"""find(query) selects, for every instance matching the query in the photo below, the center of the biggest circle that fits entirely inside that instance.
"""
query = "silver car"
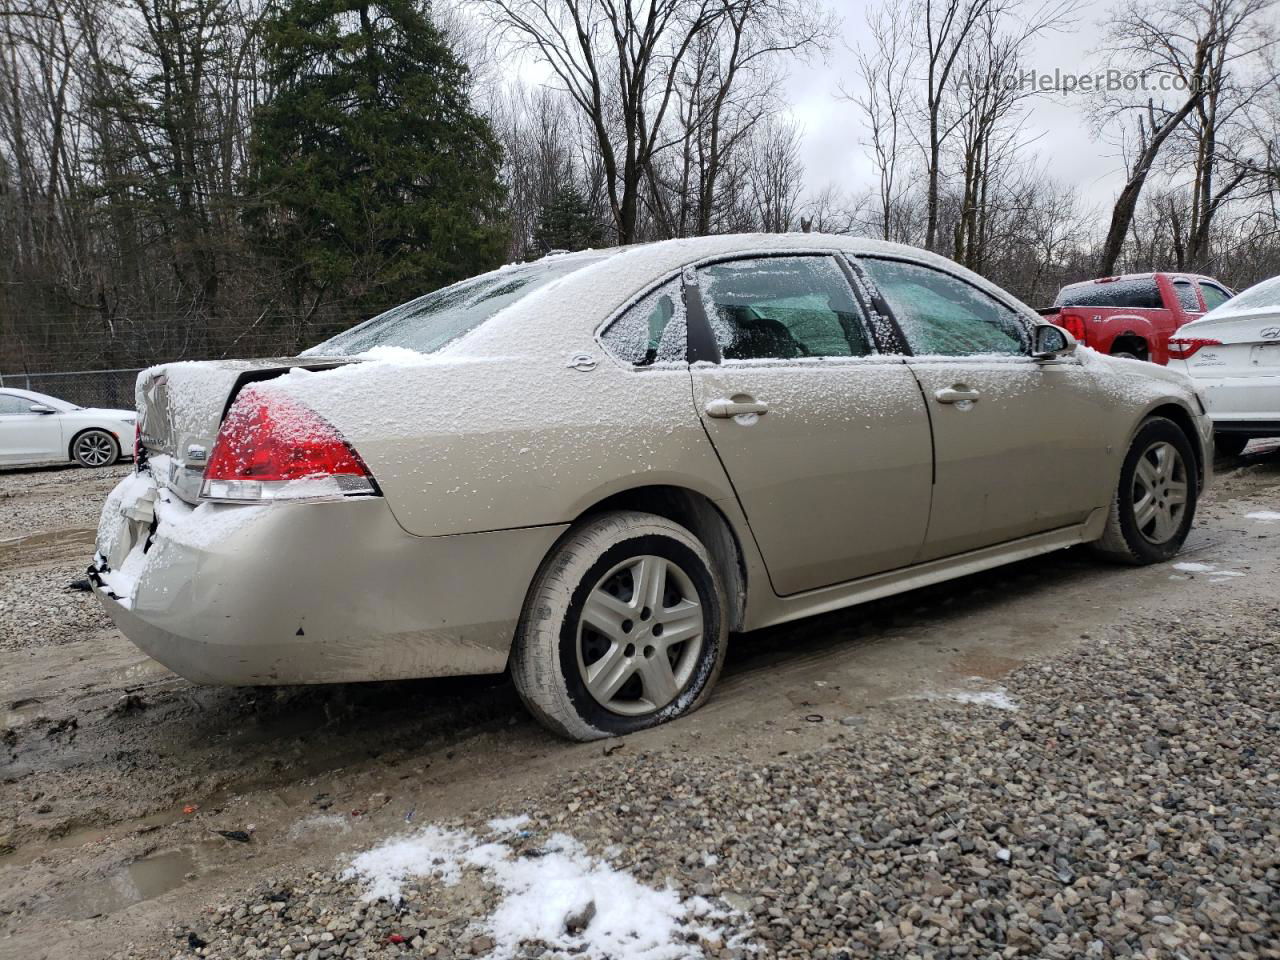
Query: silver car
(592, 469)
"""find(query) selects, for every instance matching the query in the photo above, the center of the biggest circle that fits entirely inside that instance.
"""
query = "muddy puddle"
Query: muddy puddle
(141, 880)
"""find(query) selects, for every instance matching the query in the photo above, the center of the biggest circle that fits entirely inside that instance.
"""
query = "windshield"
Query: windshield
(48, 401)
(1264, 294)
(430, 322)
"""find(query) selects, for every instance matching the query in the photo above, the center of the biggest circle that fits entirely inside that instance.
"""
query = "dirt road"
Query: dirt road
(119, 776)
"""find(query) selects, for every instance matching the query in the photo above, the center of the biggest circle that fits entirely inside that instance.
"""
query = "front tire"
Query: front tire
(624, 628)
(95, 448)
(1155, 503)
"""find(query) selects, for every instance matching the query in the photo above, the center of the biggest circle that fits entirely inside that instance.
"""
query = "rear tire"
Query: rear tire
(95, 448)
(624, 628)
(1155, 502)
(1229, 444)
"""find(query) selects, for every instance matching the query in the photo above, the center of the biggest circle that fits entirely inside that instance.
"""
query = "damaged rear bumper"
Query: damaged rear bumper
(318, 592)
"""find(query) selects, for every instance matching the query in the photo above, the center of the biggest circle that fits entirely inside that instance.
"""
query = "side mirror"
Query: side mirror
(1051, 342)
(41, 408)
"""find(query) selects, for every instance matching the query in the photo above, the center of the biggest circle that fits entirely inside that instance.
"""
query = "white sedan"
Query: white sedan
(1233, 354)
(39, 429)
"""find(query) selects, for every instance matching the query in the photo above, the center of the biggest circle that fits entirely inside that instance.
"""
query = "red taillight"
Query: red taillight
(273, 448)
(1180, 348)
(1074, 325)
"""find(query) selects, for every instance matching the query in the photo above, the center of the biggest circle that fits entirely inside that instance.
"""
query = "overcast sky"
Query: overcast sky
(1057, 126)
(833, 150)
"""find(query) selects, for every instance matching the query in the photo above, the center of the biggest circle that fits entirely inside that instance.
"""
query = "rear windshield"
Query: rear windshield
(437, 319)
(1139, 293)
(1264, 294)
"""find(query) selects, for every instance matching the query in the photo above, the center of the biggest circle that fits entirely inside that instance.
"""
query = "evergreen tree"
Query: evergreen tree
(565, 222)
(375, 178)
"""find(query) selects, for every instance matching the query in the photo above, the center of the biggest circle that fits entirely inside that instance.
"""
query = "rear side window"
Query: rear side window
(942, 315)
(782, 308)
(1214, 296)
(1139, 293)
(1187, 298)
(651, 330)
(437, 319)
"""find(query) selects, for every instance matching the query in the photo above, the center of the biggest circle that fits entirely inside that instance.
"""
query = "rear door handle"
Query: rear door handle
(724, 409)
(957, 394)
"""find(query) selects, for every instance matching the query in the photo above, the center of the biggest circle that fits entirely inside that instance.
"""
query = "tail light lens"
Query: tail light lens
(1074, 325)
(1180, 348)
(274, 448)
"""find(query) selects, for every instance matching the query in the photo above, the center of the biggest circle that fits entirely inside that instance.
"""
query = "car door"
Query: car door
(27, 437)
(1016, 440)
(825, 440)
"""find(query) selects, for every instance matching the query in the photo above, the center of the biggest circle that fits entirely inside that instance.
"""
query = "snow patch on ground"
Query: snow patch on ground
(1193, 567)
(624, 919)
(1215, 575)
(508, 824)
(1266, 516)
(999, 699)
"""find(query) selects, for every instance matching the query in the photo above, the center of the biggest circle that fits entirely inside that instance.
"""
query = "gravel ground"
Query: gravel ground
(36, 607)
(46, 523)
(1126, 807)
(54, 498)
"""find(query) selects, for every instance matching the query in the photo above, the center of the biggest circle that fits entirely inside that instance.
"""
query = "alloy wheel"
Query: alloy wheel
(640, 636)
(95, 449)
(1160, 492)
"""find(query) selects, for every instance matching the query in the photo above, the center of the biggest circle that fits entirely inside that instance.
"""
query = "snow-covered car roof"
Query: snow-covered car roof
(561, 313)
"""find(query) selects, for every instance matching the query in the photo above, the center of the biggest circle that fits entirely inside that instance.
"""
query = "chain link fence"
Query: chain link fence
(88, 388)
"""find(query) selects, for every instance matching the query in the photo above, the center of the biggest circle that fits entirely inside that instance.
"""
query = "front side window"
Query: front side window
(943, 315)
(1187, 298)
(651, 330)
(1214, 296)
(782, 308)
(437, 319)
(10, 404)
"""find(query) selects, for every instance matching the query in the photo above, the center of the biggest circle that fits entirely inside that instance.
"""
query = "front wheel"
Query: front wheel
(624, 628)
(1155, 503)
(95, 448)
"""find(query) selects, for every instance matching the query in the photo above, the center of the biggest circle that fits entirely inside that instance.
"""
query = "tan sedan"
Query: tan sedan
(593, 468)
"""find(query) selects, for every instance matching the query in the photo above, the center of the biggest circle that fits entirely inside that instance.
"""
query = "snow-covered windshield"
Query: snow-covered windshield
(437, 319)
(1264, 294)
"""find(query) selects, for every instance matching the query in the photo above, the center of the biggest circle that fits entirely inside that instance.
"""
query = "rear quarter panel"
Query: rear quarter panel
(473, 444)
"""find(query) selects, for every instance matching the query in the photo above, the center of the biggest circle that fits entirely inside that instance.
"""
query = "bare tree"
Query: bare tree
(885, 64)
(1217, 55)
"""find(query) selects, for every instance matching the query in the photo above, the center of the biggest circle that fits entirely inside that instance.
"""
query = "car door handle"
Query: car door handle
(724, 409)
(957, 394)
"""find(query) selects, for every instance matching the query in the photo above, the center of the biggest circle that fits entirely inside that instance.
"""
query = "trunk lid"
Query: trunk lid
(181, 405)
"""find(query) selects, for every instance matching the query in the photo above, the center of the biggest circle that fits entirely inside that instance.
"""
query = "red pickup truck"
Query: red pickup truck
(1134, 315)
